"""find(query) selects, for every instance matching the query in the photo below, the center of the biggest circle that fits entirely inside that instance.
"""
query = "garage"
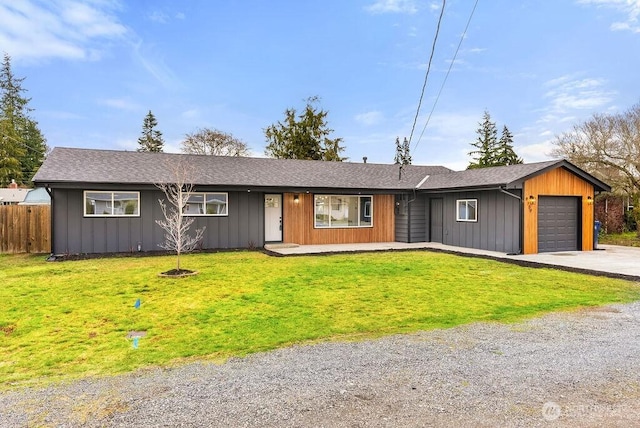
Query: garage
(558, 223)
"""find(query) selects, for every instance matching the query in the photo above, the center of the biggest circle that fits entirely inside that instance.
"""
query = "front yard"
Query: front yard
(60, 321)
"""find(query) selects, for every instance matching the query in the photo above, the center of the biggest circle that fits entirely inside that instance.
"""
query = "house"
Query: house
(107, 201)
(13, 194)
(37, 196)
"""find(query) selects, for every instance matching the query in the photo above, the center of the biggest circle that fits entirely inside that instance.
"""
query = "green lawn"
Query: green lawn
(67, 320)
(628, 239)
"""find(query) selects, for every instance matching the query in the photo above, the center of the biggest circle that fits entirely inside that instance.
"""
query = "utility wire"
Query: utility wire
(447, 75)
(426, 76)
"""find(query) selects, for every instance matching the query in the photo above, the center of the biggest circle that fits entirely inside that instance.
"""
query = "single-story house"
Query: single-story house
(13, 194)
(107, 201)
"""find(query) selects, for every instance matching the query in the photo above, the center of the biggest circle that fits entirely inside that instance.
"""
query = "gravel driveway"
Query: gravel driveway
(564, 369)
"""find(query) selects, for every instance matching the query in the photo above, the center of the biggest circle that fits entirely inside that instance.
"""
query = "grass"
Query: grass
(60, 321)
(628, 239)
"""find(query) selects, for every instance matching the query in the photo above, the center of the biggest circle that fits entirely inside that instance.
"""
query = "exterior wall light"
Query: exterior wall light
(589, 200)
(531, 200)
(296, 198)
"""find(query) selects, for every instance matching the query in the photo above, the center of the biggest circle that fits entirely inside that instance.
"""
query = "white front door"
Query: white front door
(273, 218)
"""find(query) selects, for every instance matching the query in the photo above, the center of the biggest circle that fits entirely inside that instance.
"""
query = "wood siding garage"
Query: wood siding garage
(557, 182)
(558, 223)
(298, 223)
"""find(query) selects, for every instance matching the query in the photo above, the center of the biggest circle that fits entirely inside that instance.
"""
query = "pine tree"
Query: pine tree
(398, 157)
(486, 144)
(505, 155)
(22, 145)
(402, 157)
(151, 139)
(303, 136)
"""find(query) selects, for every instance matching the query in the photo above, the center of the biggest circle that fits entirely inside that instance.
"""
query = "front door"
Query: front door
(273, 218)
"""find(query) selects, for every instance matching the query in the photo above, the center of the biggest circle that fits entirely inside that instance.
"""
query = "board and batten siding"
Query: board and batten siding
(76, 234)
(497, 228)
(557, 182)
(412, 221)
(298, 223)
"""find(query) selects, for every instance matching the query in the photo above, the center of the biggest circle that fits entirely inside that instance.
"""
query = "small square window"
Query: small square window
(467, 210)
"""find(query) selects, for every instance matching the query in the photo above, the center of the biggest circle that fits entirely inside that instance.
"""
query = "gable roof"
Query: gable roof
(8, 195)
(511, 176)
(72, 165)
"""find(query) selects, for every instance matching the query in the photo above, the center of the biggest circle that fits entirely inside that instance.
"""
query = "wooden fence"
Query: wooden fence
(25, 229)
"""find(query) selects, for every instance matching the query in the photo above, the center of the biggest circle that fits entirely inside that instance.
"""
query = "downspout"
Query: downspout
(51, 228)
(521, 220)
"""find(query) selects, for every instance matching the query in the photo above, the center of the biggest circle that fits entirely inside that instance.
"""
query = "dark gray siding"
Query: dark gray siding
(497, 228)
(418, 224)
(402, 218)
(412, 218)
(73, 233)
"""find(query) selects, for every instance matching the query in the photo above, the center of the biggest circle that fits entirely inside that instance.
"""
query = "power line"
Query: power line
(426, 76)
(447, 75)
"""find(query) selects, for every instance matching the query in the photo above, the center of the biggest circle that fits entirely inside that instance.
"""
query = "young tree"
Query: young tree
(505, 155)
(213, 142)
(403, 156)
(304, 136)
(151, 139)
(485, 145)
(175, 224)
(22, 145)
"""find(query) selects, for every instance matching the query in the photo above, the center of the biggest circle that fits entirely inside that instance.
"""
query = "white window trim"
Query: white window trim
(466, 201)
(112, 192)
(343, 227)
(226, 213)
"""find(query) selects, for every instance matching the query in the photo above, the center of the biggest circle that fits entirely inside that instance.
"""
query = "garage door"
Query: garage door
(557, 223)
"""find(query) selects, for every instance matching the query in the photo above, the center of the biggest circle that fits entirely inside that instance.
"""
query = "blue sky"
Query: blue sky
(94, 68)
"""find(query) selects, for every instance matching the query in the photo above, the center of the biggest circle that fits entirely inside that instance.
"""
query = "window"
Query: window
(467, 210)
(337, 211)
(111, 204)
(211, 204)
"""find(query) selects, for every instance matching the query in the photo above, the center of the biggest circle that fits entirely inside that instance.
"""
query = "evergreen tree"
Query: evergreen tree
(22, 145)
(304, 136)
(505, 155)
(151, 139)
(398, 157)
(403, 156)
(486, 144)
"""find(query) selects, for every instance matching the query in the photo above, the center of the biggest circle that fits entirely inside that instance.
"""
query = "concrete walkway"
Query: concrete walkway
(611, 260)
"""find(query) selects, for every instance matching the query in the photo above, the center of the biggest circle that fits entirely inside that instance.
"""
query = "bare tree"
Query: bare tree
(207, 141)
(607, 146)
(175, 224)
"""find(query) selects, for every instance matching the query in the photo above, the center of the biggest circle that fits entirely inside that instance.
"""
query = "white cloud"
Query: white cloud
(193, 113)
(369, 118)
(158, 16)
(393, 6)
(120, 104)
(69, 29)
(568, 93)
(630, 8)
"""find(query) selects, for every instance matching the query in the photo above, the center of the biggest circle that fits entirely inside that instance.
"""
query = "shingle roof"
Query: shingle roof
(65, 165)
(484, 177)
(13, 195)
(502, 176)
(72, 165)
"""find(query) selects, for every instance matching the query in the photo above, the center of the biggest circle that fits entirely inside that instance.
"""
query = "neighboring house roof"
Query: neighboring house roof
(37, 196)
(65, 165)
(12, 196)
(511, 176)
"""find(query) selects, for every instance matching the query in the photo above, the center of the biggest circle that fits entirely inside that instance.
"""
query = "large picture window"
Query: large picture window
(211, 204)
(98, 203)
(338, 211)
(467, 210)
